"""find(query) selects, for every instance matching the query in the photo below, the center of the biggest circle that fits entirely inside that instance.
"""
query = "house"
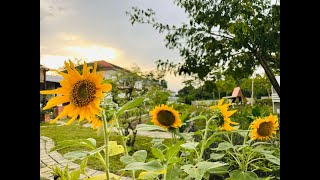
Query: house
(275, 98)
(107, 68)
(237, 96)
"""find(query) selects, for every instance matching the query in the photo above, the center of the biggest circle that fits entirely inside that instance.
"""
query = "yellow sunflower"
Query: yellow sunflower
(165, 116)
(82, 92)
(224, 120)
(264, 128)
(96, 122)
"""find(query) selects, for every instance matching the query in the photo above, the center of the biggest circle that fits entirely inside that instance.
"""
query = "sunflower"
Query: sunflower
(82, 92)
(165, 116)
(264, 128)
(96, 122)
(224, 120)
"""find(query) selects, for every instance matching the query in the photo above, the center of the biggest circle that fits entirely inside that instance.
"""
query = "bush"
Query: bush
(267, 102)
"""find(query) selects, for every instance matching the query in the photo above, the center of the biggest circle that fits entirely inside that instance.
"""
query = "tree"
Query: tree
(238, 35)
(261, 86)
(227, 85)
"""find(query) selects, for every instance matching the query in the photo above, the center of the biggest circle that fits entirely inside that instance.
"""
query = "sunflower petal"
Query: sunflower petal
(55, 91)
(106, 87)
(71, 120)
(220, 102)
(229, 113)
(56, 101)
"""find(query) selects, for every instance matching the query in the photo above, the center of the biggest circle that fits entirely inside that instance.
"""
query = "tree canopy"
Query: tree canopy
(237, 35)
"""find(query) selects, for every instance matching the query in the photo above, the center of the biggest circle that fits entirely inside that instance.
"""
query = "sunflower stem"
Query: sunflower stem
(204, 140)
(123, 142)
(106, 142)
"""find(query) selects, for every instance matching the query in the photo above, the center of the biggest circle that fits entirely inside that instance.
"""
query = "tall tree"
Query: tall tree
(238, 35)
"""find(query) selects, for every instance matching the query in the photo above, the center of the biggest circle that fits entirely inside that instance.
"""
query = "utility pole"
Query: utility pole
(253, 76)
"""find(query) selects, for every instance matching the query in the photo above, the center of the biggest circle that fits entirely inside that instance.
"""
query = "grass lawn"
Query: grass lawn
(75, 131)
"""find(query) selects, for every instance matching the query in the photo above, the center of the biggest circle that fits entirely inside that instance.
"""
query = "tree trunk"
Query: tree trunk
(269, 72)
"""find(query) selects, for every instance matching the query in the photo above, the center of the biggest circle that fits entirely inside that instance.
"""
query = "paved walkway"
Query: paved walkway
(54, 158)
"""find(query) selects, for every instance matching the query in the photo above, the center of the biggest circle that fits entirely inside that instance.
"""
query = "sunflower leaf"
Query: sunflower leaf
(140, 156)
(76, 155)
(173, 151)
(238, 175)
(129, 105)
(272, 159)
(157, 153)
(149, 166)
(197, 118)
(223, 146)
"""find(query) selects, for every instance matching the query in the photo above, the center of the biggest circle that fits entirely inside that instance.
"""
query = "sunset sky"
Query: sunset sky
(100, 30)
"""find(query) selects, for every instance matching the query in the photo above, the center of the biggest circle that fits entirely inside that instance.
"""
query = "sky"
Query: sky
(100, 30)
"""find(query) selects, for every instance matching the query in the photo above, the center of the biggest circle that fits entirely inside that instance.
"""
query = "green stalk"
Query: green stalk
(106, 142)
(204, 140)
(123, 142)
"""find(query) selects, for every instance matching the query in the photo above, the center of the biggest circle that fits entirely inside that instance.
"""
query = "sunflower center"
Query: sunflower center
(166, 118)
(83, 93)
(265, 129)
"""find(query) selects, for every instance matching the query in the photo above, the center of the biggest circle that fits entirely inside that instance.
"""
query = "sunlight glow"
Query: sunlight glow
(93, 52)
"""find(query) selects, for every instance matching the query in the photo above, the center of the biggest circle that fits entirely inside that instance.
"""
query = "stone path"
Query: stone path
(54, 158)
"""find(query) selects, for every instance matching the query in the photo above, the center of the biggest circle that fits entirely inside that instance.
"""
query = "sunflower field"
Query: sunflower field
(215, 142)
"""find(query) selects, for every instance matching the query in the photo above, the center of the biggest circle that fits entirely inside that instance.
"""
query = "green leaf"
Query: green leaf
(76, 155)
(272, 159)
(148, 127)
(127, 159)
(184, 116)
(115, 149)
(197, 118)
(148, 175)
(157, 153)
(216, 156)
(223, 169)
(173, 172)
(190, 169)
(93, 142)
(258, 143)
(173, 151)
(213, 167)
(75, 175)
(149, 166)
(260, 149)
(202, 167)
(223, 146)
(238, 175)
(97, 150)
(190, 145)
(140, 156)
(83, 166)
(129, 105)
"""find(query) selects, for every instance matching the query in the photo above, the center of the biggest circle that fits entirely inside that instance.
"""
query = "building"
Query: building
(275, 98)
(237, 96)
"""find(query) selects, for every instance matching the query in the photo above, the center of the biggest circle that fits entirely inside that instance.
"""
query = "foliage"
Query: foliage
(227, 85)
(64, 174)
(261, 86)
(247, 113)
(136, 83)
(248, 159)
(239, 34)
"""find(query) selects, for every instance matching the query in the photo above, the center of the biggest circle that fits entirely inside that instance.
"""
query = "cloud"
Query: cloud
(50, 9)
